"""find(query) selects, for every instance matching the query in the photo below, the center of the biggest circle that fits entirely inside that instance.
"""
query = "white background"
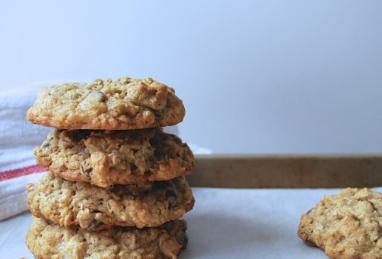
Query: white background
(256, 76)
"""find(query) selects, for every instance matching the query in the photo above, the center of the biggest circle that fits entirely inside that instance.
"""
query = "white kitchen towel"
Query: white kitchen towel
(18, 138)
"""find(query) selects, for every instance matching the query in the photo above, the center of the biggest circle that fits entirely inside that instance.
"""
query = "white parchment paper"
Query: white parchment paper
(225, 223)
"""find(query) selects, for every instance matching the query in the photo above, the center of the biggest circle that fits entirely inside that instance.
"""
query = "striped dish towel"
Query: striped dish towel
(17, 140)
(12, 189)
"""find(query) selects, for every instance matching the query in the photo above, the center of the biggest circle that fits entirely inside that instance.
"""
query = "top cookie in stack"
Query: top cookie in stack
(111, 168)
(121, 104)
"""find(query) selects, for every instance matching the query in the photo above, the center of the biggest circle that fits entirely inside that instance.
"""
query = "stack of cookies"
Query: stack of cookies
(116, 185)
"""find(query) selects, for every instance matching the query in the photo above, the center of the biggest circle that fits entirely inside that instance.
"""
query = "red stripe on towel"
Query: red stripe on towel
(10, 174)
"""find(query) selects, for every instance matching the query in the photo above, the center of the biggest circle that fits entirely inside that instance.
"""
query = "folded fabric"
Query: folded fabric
(18, 138)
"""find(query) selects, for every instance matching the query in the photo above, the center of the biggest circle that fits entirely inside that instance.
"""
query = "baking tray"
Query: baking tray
(287, 171)
(259, 222)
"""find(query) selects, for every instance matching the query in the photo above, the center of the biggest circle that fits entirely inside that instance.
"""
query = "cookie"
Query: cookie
(346, 225)
(120, 104)
(83, 205)
(104, 158)
(47, 241)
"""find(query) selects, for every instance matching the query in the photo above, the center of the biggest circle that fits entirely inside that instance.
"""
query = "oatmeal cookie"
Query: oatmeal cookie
(120, 104)
(82, 205)
(104, 158)
(47, 241)
(346, 225)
